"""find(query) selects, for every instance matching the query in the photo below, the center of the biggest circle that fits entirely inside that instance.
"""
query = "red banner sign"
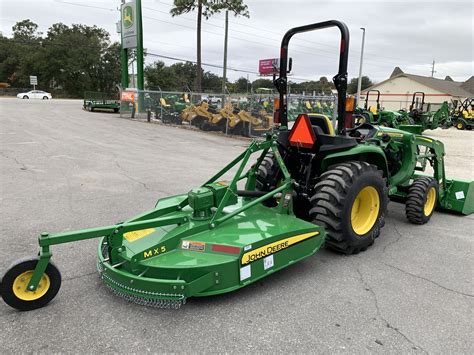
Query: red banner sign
(128, 96)
(269, 66)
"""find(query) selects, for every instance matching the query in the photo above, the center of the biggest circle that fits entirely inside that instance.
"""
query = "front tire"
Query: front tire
(421, 200)
(350, 202)
(25, 97)
(460, 125)
(45, 97)
(14, 282)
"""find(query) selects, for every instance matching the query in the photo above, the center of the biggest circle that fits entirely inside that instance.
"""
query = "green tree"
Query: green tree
(211, 82)
(263, 83)
(352, 86)
(25, 30)
(206, 8)
(241, 85)
(159, 76)
(80, 58)
(186, 74)
(16, 54)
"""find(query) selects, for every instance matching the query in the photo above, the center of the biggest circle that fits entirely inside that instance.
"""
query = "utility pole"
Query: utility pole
(140, 79)
(134, 85)
(432, 68)
(359, 82)
(123, 60)
(224, 74)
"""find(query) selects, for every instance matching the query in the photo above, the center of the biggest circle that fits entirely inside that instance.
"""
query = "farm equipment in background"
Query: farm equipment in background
(252, 124)
(177, 106)
(201, 116)
(235, 123)
(307, 186)
(166, 108)
(463, 115)
(95, 100)
(367, 114)
(379, 116)
(426, 118)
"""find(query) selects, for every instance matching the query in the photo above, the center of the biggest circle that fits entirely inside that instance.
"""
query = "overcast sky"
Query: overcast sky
(405, 33)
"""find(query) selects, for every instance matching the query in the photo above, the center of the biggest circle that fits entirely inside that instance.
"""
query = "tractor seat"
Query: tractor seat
(323, 122)
(163, 102)
(331, 143)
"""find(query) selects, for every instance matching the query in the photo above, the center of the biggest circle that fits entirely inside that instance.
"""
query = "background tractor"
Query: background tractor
(368, 114)
(379, 116)
(421, 114)
(463, 115)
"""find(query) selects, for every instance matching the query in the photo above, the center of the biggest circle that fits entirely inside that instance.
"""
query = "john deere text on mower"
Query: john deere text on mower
(307, 185)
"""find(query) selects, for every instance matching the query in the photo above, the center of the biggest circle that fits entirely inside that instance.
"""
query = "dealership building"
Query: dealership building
(396, 92)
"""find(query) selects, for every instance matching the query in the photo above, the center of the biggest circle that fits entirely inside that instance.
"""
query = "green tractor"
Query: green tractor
(368, 114)
(307, 187)
(379, 116)
(169, 108)
(422, 116)
(463, 115)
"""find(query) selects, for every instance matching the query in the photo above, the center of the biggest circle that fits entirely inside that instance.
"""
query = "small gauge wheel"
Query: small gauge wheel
(13, 286)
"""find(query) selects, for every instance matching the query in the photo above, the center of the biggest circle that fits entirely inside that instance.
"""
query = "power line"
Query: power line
(84, 5)
(218, 34)
(332, 47)
(257, 42)
(204, 64)
(233, 37)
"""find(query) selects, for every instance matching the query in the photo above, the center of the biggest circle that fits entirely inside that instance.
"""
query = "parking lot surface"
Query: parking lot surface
(62, 168)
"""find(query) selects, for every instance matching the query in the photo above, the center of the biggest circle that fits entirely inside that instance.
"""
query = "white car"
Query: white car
(35, 94)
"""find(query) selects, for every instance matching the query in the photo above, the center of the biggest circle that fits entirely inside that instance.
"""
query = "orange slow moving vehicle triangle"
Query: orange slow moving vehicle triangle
(302, 134)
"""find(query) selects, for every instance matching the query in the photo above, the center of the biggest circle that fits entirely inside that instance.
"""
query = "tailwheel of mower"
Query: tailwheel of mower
(421, 200)
(350, 202)
(14, 284)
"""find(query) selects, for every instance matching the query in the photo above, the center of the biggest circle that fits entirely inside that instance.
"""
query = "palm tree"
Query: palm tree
(206, 8)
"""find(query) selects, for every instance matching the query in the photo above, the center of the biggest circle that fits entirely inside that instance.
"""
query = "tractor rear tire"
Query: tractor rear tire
(350, 202)
(421, 200)
(14, 282)
(268, 175)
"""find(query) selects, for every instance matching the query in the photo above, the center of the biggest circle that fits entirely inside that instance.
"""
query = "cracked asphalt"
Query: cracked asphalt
(62, 168)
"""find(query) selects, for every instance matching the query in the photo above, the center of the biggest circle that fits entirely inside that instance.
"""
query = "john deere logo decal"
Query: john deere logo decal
(127, 17)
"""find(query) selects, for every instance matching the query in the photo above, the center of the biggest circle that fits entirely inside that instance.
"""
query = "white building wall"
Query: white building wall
(396, 94)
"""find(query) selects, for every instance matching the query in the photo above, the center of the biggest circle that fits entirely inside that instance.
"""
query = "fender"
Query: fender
(369, 153)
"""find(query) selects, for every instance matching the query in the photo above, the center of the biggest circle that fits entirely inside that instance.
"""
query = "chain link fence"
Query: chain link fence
(248, 115)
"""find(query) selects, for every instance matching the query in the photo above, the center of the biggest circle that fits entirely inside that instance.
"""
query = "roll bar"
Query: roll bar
(415, 94)
(366, 105)
(340, 79)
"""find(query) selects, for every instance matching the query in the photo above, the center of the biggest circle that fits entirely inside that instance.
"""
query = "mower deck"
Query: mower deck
(166, 265)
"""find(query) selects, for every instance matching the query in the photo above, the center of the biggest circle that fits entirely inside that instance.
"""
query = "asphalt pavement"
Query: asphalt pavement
(62, 168)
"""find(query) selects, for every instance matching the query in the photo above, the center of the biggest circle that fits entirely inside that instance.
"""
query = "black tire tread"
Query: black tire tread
(24, 264)
(416, 199)
(328, 204)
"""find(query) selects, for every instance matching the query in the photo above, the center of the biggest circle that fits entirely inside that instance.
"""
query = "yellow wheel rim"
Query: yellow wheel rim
(430, 201)
(459, 125)
(365, 210)
(21, 282)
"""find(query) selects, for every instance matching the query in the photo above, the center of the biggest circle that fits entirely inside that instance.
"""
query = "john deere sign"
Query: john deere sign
(129, 25)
